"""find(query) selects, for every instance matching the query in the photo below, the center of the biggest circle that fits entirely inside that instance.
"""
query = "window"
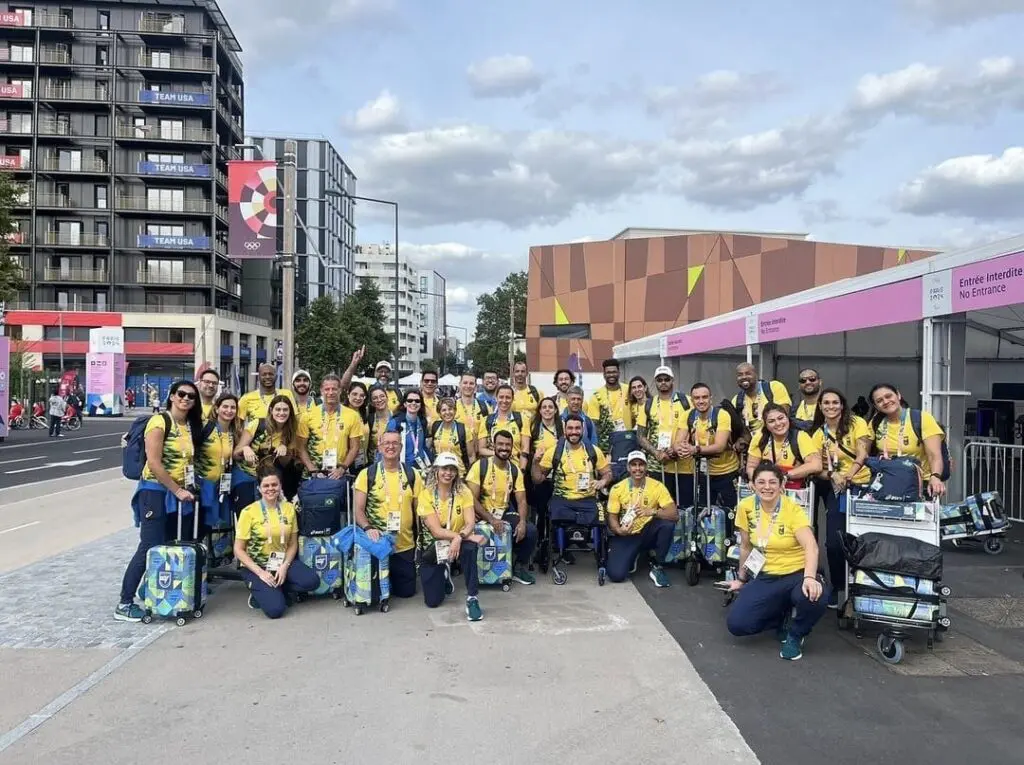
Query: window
(102, 157)
(165, 200)
(63, 194)
(69, 232)
(160, 59)
(165, 159)
(139, 124)
(165, 271)
(21, 123)
(99, 265)
(565, 331)
(21, 53)
(100, 299)
(225, 337)
(69, 159)
(138, 334)
(103, 20)
(26, 87)
(25, 155)
(26, 12)
(172, 130)
(102, 232)
(158, 229)
(102, 55)
(101, 197)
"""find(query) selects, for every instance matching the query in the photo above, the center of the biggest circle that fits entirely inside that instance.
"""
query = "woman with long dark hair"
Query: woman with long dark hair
(410, 421)
(359, 402)
(896, 435)
(788, 447)
(168, 486)
(378, 415)
(545, 433)
(215, 460)
(275, 441)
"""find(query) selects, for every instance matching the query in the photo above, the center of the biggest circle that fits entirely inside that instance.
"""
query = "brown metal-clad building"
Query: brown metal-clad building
(584, 298)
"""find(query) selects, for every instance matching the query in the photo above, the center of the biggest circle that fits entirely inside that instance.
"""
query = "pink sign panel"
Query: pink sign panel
(11, 90)
(10, 162)
(728, 334)
(990, 284)
(12, 19)
(876, 307)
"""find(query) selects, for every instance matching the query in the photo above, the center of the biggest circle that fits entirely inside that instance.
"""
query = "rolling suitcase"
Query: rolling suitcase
(174, 585)
(221, 544)
(367, 581)
(494, 557)
(325, 560)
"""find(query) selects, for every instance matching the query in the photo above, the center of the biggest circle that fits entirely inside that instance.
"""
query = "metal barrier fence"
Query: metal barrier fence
(987, 466)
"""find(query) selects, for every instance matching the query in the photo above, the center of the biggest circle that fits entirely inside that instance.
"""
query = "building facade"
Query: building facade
(325, 235)
(584, 298)
(377, 262)
(433, 309)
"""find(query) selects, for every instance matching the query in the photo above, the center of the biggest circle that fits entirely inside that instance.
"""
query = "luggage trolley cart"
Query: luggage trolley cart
(979, 519)
(899, 604)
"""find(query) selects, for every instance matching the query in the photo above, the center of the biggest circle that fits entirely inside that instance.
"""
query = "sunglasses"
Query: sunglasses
(412, 401)
(185, 395)
(807, 379)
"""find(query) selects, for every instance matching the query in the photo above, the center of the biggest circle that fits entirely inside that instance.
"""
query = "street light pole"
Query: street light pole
(291, 148)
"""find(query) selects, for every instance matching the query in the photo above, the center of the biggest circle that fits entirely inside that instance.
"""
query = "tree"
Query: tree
(11, 280)
(362, 323)
(318, 339)
(490, 348)
(428, 365)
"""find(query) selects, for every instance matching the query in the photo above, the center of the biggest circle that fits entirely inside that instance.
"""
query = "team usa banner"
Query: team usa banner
(252, 209)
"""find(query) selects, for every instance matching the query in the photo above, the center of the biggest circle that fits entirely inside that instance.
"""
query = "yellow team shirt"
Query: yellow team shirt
(502, 422)
(430, 407)
(901, 440)
(840, 453)
(806, 412)
(215, 456)
(574, 464)
(376, 426)
(207, 409)
(498, 485)
(562, 400)
(783, 553)
(391, 493)
(524, 402)
(547, 439)
(728, 461)
(340, 430)
(667, 417)
(452, 513)
(782, 454)
(264, 443)
(753, 406)
(253, 405)
(613, 404)
(650, 495)
(262, 527)
(178, 452)
(470, 415)
(303, 410)
(446, 441)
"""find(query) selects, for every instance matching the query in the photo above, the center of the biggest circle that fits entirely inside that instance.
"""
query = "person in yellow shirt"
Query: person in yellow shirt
(525, 397)
(845, 439)
(469, 409)
(641, 516)
(266, 543)
(253, 405)
(639, 398)
(448, 435)
(778, 567)
(803, 411)
(896, 435)
(334, 432)
(428, 387)
(795, 452)
(447, 534)
(382, 372)
(545, 433)
(563, 380)
(504, 418)
(302, 392)
(214, 462)
(658, 422)
(277, 440)
(754, 396)
(385, 494)
(608, 407)
(499, 496)
(357, 400)
(209, 386)
(378, 416)
(706, 434)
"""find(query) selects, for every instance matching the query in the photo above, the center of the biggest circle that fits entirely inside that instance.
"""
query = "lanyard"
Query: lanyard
(188, 450)
(833, 459)
(225, 460)
(325, 419)
(437, 507)
(614, 404)
(469, 411)
(703, 435)
(636, 495)
(586, 462)
(762, 542)
(403, 483)
(493, 492)
(413, 433)
(884, 433)
(280, 520)
(785, 450)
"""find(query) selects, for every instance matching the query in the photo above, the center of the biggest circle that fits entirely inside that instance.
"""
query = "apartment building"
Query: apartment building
(432, 309)
(377, 262)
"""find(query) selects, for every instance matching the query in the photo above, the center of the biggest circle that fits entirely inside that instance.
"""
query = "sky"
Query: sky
(498, 126)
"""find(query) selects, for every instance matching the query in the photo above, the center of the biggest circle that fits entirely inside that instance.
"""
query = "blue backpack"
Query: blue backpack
(133, 446)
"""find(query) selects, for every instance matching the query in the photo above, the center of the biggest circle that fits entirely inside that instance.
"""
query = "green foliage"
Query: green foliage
(318, 339)
(10, 273)
(428, 365)
(489, 350)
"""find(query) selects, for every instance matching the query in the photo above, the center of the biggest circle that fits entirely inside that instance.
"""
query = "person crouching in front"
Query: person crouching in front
(266, 542)
(445, 510)
(778, 566)
(642, 516)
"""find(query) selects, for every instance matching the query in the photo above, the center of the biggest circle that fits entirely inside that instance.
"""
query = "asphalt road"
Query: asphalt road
(30, 456)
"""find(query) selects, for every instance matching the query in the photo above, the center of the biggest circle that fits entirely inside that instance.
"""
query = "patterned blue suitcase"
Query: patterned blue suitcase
(175, 583)
(325, 559)
(494, 557)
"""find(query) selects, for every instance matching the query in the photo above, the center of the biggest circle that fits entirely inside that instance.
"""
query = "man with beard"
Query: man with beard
(810, 391)
(428, 387)
(209, 387)
(641, 516)
(574, 472)
(705, 434)
(304, 400)
(665, 414)
(383, 374)
(335, 431)
(525, 397)
(564, 379)
(609, 406)
(253, 405)
(753, 397)
(493, 481)
(487, 396)
(574, 407)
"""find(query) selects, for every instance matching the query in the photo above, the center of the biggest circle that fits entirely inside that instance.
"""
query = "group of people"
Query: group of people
(426, 470)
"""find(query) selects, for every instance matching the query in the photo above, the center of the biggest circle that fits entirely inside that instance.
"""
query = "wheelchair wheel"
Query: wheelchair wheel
(558, 576)
(693, 572)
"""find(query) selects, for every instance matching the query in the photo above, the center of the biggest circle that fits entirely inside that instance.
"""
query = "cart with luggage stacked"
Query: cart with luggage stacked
(978, 519)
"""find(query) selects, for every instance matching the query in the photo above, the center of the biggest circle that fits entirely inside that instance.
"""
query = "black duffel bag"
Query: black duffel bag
(893, 555)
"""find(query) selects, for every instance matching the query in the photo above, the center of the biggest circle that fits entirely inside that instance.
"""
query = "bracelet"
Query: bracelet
(812, 578)
(935, 475)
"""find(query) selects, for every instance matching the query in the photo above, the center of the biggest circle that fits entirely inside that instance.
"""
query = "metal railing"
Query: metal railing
(152, 133)
(53, 127)
(96, 275)
(44, 19)
(193, 309)
(164, 61)
(73, 306)
(44, 199)
(174, 26)
(85, 165)
(54, 55)
(222, 178)
(987, 466)
(66, 92)
(65, 239)
(186, 279)
(145, 204)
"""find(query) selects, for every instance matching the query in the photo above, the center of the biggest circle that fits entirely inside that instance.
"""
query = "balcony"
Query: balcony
(165, 61)
(5, 57)
(15, 91)
(16, 238)
(55, 127)
(52, 20)
(10, 128)
(146, 205)
(172, 242)
(67, 92)
(73, 306)
(186, 279)
(174, 26)
(173, 169)
(54, 55)
(172, 98)
(70, 239)
(91, 275)
(14, 162)
(87, 165)
(152, 133)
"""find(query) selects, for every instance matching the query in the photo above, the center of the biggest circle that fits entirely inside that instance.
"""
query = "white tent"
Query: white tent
(413, 379)
(448, 380)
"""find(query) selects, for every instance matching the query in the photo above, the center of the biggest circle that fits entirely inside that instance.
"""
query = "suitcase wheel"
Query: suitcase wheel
(601, 575)
(993, 545)
(198, 613)
(359, 610)
(300, 597)
(692, 572)
(385, 607)
(180, 621)
(506, 587)
(336, 594)
(147, 618)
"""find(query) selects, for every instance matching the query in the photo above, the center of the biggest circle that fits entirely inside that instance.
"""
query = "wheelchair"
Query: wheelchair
(585, 532)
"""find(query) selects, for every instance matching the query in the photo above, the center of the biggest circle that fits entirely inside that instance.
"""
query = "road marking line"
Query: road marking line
(4, 505)
(78, 690)
(101, 449)
(24, 459)
(51, 441)
(22, 526)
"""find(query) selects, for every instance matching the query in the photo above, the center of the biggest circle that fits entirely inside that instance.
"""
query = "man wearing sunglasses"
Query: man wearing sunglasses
(802, 413)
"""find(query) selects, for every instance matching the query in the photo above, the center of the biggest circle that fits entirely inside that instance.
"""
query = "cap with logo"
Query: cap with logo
(445, 459)
(636, 455)
(663, 371)
(385, 364)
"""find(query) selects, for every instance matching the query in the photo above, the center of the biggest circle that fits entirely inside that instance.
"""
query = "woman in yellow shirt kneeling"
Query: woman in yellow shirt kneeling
(778, 571)
(266, 542)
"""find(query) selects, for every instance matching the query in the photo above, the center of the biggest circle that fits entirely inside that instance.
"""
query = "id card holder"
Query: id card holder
(330, 459)
(628, 517)
(394, 521)
(620, 424)
(755, 562)
(442, 548)
(190, 476)
(664, 441)
(583, 482)
(225, 484)
(704, 465)
(275, 561)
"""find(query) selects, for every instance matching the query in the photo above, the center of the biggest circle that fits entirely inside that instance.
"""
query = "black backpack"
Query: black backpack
(712, 421)
(460, 432)
(804, 425)
(556, 459)
(793, 437)
(492, 418)
(915, 423)
(371, 475)
(762, 387)
(649, 403)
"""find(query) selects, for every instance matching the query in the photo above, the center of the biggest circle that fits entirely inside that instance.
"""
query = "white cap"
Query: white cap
(446, 459)
(301, 373)
(636, 455)
(667, 371)
(385, 364)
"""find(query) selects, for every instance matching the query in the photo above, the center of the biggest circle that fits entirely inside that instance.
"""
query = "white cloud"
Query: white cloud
(982, 187)
(381, 115)
(457, 298)
(462, 264)
(504, 77)
(956, 12)
(713, 90)
(961, 238)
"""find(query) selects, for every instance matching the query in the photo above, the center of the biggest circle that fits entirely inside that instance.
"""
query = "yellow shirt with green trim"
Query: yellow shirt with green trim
(339, 430)
(651, 495)
(498, 486)
(452, 513)
(178, 449)
(304, 409)
(391, 492)
(502, 422)
(253, 405)
(887, 437)
(609, 409)
(720, 464)
(547, 439)
(264, 443)
(215, 456)
(668, 416)
(782, 454)
(575, 462)
(753, 406)
(430, 407)
(446, 441)
(524, 402)
(470, 416)
(839, 451)
(783, 553)
(562, 400)
(262, 534)
(207, 409)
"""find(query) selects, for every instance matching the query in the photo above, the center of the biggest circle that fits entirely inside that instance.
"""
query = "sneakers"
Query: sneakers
(449, 585)
(523, 576)
(792, 648)
(632, 569)
(128, 612)
(659, 577)
(473, 611)
(252, 602)
(833, 600)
